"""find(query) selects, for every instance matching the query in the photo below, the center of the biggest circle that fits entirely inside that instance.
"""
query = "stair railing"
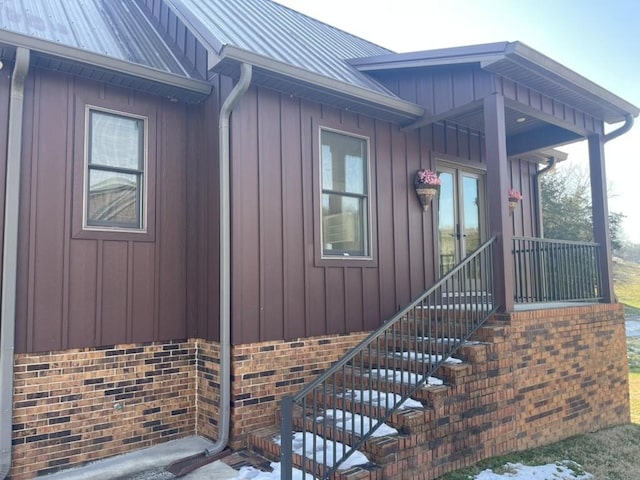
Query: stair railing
(376, 377)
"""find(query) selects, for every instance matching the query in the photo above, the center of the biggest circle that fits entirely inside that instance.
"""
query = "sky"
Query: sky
(598, 39)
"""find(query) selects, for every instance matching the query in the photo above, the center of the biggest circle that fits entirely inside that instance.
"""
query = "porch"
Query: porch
(484, 378)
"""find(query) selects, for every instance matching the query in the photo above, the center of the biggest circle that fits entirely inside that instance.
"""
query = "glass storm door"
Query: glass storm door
(460, 215)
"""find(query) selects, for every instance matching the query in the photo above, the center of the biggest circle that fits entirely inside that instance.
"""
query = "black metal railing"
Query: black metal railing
(374, 379)
(556, 270)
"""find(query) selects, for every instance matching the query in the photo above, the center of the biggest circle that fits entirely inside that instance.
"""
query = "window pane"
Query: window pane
(344, 163)
(113, 199)
(344, 225)
(116, 141)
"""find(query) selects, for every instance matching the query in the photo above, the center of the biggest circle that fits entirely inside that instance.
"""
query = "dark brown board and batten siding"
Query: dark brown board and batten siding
(75, 291)
(279, 290)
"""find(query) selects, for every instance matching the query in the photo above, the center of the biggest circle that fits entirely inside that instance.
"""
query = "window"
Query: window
(345, 195)
(115, 171)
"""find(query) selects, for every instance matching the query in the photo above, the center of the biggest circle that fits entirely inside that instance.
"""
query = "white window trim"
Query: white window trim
(369, 212)
(144, 197)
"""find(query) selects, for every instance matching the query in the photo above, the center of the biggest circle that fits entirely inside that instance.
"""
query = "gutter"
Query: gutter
(552, 163)
(628, 123)
(317, 82)
(10, 256)
(103, 61)
(225, 257)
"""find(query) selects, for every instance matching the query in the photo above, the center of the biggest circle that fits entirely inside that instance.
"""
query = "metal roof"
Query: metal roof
(520, 63)
(277, 32)
(115, 29)
(110, 41)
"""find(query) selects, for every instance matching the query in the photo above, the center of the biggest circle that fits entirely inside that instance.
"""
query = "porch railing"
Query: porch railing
(432, 327)
(556, 270)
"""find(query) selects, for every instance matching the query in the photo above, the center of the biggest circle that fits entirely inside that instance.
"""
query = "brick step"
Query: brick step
(350, 377)
(405, 420)
(415, 362)
(472, 352)
(263, 442)
(404, 342)
(377, 448)
(490, 333)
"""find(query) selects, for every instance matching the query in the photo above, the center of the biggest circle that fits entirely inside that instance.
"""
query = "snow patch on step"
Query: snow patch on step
(355, 423)
(303, 444)
(408, 378)
(417, 356)
(380, 399)
(449, 340)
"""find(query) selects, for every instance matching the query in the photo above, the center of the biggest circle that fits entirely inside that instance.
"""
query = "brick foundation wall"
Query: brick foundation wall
(544, 375)
(265, 372)
(208, 388)
(570, 372)
(80, 405)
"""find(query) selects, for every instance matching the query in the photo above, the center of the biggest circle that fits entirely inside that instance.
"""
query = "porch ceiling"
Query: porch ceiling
(525, 131)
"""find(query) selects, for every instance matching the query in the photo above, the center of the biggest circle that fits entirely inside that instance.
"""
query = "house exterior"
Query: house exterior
(207, 204)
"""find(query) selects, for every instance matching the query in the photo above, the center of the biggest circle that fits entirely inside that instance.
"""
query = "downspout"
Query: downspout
(225, 257)
(10, 256)
(628, 123)
(550, 165)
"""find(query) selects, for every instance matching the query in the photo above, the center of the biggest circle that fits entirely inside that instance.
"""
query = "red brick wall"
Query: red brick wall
(265, 372)
(570, 372)
(80, 405)
(543, 376)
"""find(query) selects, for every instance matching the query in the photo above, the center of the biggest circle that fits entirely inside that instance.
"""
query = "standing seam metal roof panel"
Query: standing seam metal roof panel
(115, 28)
(278, 32)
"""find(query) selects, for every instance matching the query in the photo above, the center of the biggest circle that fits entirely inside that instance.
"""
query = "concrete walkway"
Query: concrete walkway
(149, 463)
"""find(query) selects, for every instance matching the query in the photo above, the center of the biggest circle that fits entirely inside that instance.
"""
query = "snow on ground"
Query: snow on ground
(353, 422)
(401, 377)
(247, 473)
(517, 471)
(380, 399)
(323, 447)
(552, 471)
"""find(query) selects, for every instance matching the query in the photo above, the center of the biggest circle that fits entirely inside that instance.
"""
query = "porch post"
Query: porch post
(498, 208)
(600, 211)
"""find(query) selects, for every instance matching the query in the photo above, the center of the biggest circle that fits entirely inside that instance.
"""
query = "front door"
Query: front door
(460, 215)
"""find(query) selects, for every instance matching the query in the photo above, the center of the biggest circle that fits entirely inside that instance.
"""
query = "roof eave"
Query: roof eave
(492, 57)
(403, 109)
(104, 62)
(474, 54)
(526, 57)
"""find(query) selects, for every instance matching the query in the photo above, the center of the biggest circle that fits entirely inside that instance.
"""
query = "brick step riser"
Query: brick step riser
(432, 395)
(405, 421)
(377, 449)
(264, 446)
(406, 343)
(451, 373)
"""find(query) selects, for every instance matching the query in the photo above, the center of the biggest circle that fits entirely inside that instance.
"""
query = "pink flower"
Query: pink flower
(514, 195)
(428, 177)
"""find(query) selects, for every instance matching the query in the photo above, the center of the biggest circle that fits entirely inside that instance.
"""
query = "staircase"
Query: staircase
(410, 401)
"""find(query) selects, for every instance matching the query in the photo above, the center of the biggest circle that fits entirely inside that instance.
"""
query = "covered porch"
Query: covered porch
(522, 104)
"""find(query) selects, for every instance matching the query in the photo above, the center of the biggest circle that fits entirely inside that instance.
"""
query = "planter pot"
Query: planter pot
(426, 194)
(513, 203)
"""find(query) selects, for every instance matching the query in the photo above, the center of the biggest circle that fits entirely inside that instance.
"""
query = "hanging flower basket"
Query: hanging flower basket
(514, 198)
(426, 184)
